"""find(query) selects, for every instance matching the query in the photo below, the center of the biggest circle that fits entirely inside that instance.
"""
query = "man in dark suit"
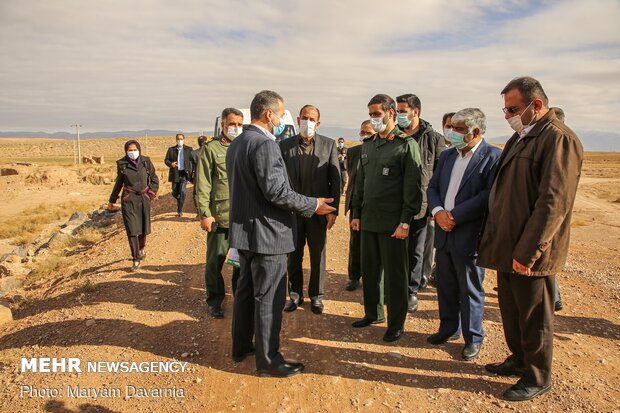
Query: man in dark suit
(355, 254)
(312, 165)
(458, 194)
(262, 207)
(179, 160)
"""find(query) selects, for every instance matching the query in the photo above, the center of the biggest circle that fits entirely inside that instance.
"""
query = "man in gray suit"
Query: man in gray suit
(262, 207)
(313, 169)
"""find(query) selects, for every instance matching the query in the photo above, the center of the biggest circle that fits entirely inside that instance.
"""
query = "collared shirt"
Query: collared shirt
(306, 163)
(525, 131)
(181, 159)
(458, 171)
(266, 132)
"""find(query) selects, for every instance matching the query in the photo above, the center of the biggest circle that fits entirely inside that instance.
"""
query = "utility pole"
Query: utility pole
(77, 127)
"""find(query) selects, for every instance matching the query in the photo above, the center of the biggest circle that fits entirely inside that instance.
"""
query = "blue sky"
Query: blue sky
(174, 65)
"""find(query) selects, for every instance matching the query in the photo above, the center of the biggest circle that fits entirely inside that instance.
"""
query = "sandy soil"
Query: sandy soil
(98, 311)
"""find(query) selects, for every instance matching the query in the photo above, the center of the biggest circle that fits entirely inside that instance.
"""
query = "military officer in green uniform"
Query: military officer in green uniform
(386, 197)
(214, 206)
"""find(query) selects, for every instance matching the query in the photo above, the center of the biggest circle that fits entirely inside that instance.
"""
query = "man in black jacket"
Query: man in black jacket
(431, 145)
(312, 165)
(179, 160)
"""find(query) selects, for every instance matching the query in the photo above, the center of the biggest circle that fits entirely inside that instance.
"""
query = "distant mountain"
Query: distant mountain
(94, 135)
(593, 141)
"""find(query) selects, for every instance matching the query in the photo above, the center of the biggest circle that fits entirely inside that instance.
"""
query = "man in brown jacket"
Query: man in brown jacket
(527, 231)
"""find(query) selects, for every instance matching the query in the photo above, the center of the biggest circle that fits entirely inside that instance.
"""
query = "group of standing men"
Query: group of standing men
(505, 210)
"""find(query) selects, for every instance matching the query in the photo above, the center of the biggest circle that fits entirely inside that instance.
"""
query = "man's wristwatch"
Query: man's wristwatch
(404, 225)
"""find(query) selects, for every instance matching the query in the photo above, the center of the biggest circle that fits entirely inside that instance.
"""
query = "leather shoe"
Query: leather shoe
(241, 357)
(215, 311)
(558, 305)
(423, 282)
(365, 322)
(292, 305)
(522, 391)
(509, 367)
(317, 306)
(352, 285)
(392, 335)
(440, 338)
(471, 351)
(283, 370)
(412, 303)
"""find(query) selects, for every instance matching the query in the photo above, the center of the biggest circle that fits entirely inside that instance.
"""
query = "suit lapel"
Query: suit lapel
(477, 159)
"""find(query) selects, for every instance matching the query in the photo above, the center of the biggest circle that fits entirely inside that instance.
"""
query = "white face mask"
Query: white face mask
(133, 155)
(233, 132)
(180, 142)
(516, 123)
(378, 125)
(307, 128)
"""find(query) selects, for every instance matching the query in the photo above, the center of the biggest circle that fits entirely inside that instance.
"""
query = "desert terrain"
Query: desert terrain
(88, 305)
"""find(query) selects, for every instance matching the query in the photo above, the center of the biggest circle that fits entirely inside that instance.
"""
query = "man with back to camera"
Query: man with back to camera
(261, 229)
(457, 197)
(352, 163)
(179, 160)
(431, 145)
(214, 208)
(526, 234)
(312, 165)
(387, 196)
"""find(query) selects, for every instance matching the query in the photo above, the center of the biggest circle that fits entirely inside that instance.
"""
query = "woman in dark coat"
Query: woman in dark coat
(138, 180)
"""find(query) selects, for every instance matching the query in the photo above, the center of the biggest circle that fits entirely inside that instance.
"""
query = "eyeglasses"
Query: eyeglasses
(513, 109)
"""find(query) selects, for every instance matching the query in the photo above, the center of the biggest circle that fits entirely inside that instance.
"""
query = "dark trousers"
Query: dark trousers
(526, 305)
(384, 259)
(217, 248)
(136, 244)
(179, 190)
(343, 179)
(460, 294)
(257, 310)
(314, 231)
(355, 254)
(417, 239)
(429, 249)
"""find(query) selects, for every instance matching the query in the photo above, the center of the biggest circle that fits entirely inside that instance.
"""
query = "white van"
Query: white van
(290, 130)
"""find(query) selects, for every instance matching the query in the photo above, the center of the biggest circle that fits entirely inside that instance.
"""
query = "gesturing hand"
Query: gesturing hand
(324, 207)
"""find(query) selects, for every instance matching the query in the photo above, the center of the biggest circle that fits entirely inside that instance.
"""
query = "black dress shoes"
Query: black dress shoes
(509, 367)
(317, 306)
(558, 306)
(365, 322)
(412, 303)
(292, 305)
(423, 282)
(352, 285)
(283, 370)
(440, 338)
(239, 358)
(471, 351)
(522, 391)
(391, 336)
(215, 311)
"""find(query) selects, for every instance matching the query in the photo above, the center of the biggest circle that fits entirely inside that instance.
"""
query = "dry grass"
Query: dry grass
(26, 227)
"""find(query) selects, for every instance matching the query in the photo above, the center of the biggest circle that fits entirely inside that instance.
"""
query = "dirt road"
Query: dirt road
(98, 311)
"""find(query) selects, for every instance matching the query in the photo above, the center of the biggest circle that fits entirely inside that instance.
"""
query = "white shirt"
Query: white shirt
(525, 131)
(458, 171)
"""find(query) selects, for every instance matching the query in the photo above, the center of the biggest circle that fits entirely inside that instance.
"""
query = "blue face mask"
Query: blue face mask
(403, 120)
(457, 139)
(277, 130)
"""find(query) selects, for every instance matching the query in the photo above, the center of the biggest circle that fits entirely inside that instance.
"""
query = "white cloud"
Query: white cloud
(154, 64)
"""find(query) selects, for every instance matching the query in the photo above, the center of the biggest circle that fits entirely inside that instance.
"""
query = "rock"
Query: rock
(185, 355)
(8, 171)
(10, 283)
(90, 323)
(395, 354)
(5, 312)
